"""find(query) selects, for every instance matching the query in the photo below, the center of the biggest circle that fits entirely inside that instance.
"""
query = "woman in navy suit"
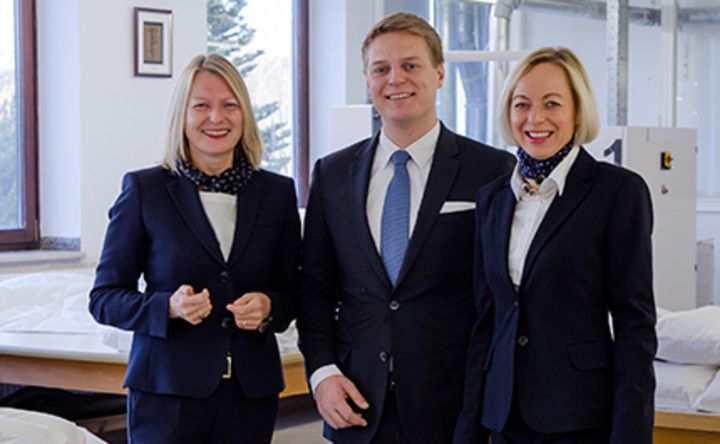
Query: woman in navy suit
(216, 241)
(562, 242)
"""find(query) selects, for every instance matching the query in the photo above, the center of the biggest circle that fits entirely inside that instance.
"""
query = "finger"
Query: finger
(350, 417)
(334, 418)
(186, 289)
(204, 294)
(355, 394)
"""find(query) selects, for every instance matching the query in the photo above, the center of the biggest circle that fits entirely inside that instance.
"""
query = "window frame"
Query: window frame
(28, 236)
(301, 104)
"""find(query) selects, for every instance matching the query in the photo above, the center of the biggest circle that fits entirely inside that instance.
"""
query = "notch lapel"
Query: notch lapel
(576, 187)
(359, 174)
(187, 201)
(248, 202)
(499, 232)
(442, 175)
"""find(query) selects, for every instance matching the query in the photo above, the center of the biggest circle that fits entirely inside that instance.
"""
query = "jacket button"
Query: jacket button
(522, 340)
(224, 276)
(226, 323)
(394, 305)
(383, 356)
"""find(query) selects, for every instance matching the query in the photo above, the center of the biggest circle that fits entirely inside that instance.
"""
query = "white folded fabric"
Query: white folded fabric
(690, 336)
(679, 386)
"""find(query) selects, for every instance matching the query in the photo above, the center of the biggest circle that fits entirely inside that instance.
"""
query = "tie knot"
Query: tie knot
(400, 157)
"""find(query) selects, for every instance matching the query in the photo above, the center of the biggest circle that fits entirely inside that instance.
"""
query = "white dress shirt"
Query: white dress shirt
(530, 210)
(421, 153)
(221, 211)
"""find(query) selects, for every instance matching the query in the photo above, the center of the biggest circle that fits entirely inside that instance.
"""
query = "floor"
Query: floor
(298, 422)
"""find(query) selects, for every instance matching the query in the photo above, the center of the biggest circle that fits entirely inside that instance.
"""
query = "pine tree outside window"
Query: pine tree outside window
(257, 36)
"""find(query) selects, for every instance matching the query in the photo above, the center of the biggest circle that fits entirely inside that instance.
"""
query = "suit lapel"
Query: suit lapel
(576, 187)
(187, 201)
(359, 174)
(442, 175)
(248, 201)
(504, 207)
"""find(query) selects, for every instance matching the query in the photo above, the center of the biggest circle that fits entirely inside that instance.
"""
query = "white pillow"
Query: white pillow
(709, 400)
(26, 427)
(679, 386)
(690, 337)
(660, 312)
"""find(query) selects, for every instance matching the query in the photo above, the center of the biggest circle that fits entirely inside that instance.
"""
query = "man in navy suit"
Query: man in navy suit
(385, 344)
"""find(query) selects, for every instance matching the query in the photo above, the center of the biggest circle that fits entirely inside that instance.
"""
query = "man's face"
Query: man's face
(402, 80)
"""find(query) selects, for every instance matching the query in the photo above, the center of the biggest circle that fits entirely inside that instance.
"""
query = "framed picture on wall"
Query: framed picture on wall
(153, 42)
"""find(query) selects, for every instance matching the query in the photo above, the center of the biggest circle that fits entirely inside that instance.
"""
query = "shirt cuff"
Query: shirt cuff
(323, 373)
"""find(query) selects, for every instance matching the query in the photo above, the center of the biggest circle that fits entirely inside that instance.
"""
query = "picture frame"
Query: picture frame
(153, 42)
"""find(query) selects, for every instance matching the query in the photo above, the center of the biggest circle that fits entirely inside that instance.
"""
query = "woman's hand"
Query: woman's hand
(250, 310)
(188, 305)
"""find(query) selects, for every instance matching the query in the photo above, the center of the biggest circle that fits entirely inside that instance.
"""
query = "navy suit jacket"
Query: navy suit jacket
(549, 342)
(158, 229)
(351, 315)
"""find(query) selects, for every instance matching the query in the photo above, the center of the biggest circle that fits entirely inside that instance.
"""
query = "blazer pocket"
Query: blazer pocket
(593, 355)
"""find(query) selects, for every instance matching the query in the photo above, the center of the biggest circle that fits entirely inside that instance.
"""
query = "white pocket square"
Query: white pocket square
(451, 206)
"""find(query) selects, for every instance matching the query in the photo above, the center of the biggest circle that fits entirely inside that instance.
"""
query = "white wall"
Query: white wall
(96, 120)
(337, 30)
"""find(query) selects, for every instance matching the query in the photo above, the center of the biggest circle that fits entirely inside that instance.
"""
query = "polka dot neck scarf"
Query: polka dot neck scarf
(537, 170)
(230, 181)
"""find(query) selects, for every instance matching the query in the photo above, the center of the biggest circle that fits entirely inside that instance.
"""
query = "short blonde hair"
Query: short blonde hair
(410, 24)
(177, 146)
(587, 121)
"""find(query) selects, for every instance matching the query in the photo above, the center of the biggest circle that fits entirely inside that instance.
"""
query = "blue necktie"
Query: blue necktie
(394, 230)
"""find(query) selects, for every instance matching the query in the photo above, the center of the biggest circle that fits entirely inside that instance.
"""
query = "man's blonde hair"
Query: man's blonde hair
(410, 24)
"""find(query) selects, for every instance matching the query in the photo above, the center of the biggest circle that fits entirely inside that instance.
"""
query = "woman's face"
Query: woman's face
(213, 123)
(542, 111)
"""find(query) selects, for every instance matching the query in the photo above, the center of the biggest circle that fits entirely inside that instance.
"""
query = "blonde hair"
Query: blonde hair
(177, 146)
(410, 24)
(587, 120)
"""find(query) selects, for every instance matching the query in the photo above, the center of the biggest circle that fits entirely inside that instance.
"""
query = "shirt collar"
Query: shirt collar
(554, 182)
(420, 151)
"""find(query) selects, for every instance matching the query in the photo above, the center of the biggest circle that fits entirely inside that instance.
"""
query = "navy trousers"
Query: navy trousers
(517, 431)
(225, 417)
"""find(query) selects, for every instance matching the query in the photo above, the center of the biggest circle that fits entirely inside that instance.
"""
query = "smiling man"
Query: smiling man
(387, 302)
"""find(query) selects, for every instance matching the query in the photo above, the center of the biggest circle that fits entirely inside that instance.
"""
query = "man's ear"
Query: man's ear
(440, 70)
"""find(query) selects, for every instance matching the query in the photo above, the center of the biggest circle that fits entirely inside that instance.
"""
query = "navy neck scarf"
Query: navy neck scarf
(230, 181)
(538, 170)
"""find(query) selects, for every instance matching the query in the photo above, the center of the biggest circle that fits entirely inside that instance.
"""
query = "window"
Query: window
(266, 40)
(18, 139)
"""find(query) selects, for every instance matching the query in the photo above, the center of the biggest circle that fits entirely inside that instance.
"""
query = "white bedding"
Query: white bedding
(56, 303)
(26, 427)
(688, 360)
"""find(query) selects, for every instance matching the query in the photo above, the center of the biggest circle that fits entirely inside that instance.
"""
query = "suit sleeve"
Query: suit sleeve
(286, 259)
(633, 312)
(469, 429)
(115, 299)
(319, 281)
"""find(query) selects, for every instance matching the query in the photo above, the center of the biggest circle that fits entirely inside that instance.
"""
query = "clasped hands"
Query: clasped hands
(248, 311)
